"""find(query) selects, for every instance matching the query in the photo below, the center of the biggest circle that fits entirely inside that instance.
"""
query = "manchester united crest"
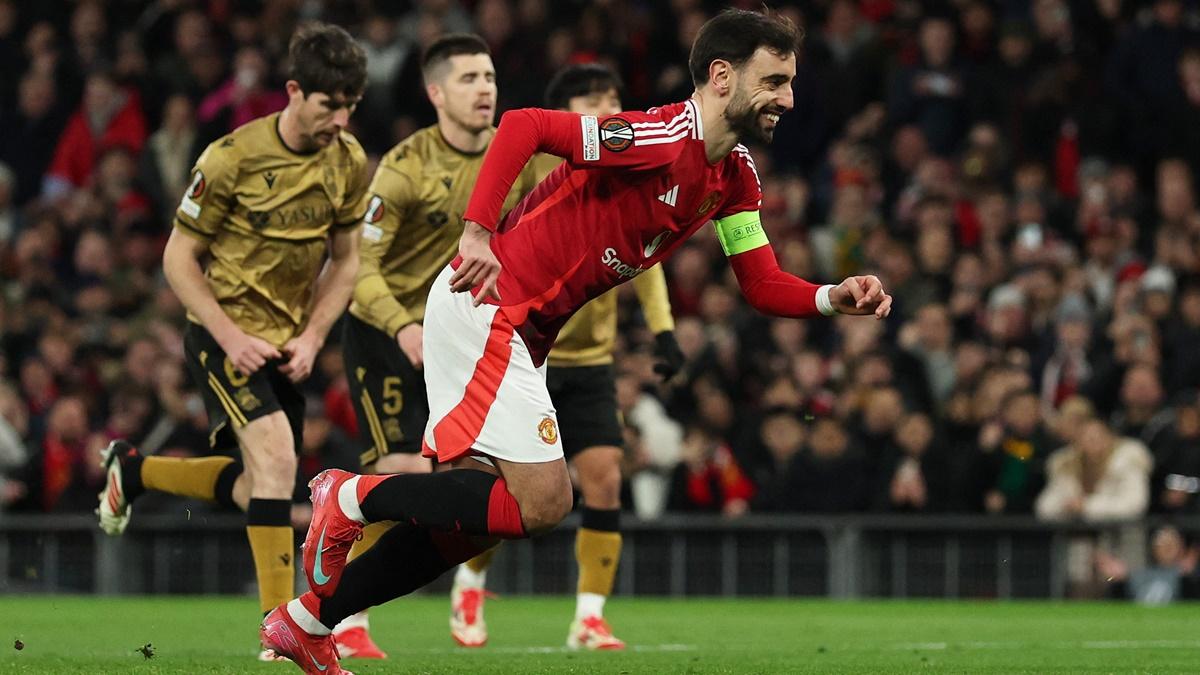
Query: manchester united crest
(548, 430)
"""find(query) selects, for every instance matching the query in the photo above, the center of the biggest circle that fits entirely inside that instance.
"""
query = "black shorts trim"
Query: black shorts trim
(585, 401)
(232, 399)
(388, 393)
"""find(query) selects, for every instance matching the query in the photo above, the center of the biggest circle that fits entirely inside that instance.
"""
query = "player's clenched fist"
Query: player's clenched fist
(861, 296)
(479, 265)
(246, 352)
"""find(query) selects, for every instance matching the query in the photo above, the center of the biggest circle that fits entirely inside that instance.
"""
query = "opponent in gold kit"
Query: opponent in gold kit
(582, 386)
(267, 204)
(410, 233)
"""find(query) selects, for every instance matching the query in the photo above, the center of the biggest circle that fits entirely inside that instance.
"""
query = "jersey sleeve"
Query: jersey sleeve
(208, 199)
(745, 190)
(354, 204)
(651, 288)
(616, 141)
(390, 194)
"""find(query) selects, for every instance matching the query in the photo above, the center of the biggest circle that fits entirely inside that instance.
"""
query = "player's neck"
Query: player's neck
(719, 137)
(289, 132)
(466, 141)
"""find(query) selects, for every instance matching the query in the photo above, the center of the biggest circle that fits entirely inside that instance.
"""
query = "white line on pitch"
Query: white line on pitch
(539, 650)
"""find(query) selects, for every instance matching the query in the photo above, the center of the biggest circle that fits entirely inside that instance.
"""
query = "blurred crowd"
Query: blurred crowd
(1021, 174)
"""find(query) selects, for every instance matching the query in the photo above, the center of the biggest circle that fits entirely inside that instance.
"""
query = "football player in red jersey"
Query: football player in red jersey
(633, 188)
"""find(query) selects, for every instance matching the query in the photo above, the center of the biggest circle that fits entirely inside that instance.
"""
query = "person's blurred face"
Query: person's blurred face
(177, 114)
(1168, 12)
(1189, 307)
(249, 67)
(883, 410)
(937, 41)
(935, 248)
(100, 93)
(1142, 388)
(597, 103)
(464, 91)
(191, 32)
(1187, 421)
(783, 435)
(827, 440)
(88, 23)
(1073, 334)
(1168, 546)
(379, 30)
(933, 327)
(1175, 200)
(1095, 440)
(914, 435)
(1022, 414)
(909, 147)
(35, 96)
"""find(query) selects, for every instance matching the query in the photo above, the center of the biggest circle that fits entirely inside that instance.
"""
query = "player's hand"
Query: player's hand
(861, 296)
(301, 351)
(479, 265)
(246, 352)
(410, 340)
(668, 355)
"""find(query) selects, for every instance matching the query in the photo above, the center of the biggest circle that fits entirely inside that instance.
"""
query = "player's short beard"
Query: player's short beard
(468, 126)
(744, 119)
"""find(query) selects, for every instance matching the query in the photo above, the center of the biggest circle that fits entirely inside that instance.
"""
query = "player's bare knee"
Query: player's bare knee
(601, 488)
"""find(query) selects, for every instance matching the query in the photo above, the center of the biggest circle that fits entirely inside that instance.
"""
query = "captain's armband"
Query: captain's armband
(740, 232)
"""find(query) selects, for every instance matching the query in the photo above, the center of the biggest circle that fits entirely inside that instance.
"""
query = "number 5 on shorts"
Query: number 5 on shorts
(393, 399)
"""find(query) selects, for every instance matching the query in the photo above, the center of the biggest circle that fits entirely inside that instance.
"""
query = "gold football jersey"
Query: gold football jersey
(265, 212)
(412, 225)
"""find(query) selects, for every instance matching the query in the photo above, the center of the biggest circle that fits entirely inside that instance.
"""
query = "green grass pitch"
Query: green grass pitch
(217, 635)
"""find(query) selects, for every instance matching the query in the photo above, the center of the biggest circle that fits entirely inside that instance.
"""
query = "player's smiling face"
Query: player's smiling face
(467, 93)
(761, 93)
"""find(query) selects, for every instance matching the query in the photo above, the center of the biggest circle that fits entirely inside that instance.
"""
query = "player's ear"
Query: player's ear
(720, 74)
(434, 92)
(293, 90)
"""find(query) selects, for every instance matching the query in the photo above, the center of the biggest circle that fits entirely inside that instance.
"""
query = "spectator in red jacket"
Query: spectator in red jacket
(110, 116)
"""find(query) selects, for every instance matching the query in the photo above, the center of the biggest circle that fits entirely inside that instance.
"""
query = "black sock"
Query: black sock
(223, 490)
(404, 559)
(131, 476)
(602, 520)
(455, 500)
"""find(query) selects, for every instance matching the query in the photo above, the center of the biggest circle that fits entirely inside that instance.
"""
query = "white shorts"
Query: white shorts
(485, 395)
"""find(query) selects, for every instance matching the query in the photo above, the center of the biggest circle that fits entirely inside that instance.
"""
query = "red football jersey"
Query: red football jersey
(635, 185)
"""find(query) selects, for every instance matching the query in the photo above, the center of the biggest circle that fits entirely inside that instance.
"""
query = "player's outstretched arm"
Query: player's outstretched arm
(772, 291)
(334, 288)
(181, 266)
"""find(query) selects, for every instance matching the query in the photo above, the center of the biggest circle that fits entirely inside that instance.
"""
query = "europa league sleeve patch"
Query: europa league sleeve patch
(616, 134)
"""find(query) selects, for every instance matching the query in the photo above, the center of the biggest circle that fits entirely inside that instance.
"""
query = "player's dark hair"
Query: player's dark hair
(451, 44)
(735, 34)
(325, 59)
(580, 79)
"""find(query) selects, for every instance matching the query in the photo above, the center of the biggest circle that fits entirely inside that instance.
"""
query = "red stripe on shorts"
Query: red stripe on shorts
(458, 430)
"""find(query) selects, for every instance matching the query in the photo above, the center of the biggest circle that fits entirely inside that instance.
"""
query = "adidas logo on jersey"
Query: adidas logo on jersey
(669, 196)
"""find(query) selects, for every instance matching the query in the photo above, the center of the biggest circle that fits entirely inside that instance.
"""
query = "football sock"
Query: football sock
(597, 550)
(404, 559)
(370, 534)
(473, 573)
(269, 529)
(459, 500)
(207, 478)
